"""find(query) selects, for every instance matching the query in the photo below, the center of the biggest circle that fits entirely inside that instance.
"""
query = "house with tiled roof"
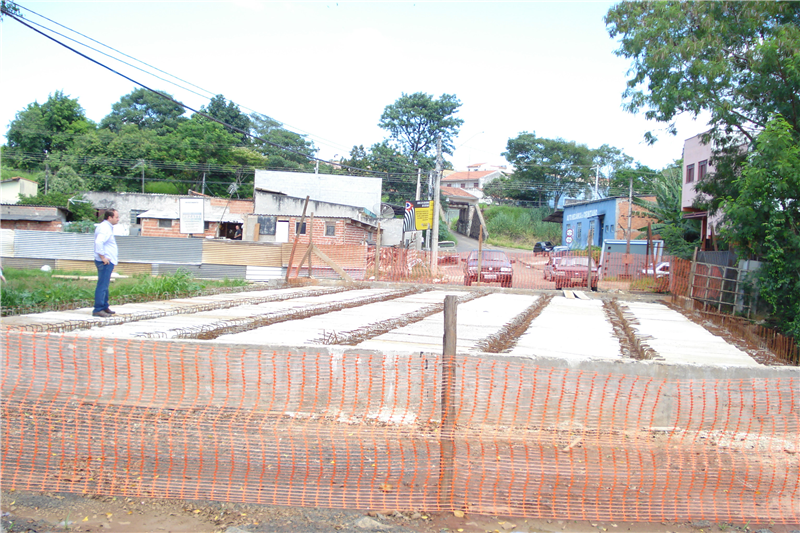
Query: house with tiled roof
(474, 182)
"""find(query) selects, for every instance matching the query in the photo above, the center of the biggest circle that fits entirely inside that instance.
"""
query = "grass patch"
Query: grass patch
(36, 291)
(519, 227)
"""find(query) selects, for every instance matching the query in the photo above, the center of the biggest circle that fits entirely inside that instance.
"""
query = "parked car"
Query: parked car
(495, 267)
(571, 270)
(559, 250)
(542, 246)
(661, 270)
(552, 261)
(447, 253)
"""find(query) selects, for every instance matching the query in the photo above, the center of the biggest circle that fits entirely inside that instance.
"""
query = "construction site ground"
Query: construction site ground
(387, 319)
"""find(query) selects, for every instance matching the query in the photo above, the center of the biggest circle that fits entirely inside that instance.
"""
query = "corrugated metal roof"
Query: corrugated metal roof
(7, 243)
(259, 273)
(54, 245)
(137, 249)
(224, 252)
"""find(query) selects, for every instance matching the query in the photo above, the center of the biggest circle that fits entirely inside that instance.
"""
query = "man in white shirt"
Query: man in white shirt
(105, 258)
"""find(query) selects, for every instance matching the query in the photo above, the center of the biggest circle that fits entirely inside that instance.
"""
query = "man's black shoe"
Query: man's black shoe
(110, 312)
(102, 314)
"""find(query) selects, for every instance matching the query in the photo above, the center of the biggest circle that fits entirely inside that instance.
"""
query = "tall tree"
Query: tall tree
(146, 110)
(764, 219)
(384, 160)
(548, 169)
(299, 150)
(415, 121)
(230, 114)
(738, 61)
(44, 128)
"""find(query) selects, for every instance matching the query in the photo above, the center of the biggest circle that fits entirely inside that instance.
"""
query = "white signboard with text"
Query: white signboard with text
(191, 215)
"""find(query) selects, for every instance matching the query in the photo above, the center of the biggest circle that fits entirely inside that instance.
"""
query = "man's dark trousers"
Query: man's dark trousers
(103, 281)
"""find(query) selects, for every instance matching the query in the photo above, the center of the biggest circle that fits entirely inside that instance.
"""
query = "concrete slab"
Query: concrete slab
(571, 329)
(311, 331)
(476, 319)
(165, 327)
(679, 340)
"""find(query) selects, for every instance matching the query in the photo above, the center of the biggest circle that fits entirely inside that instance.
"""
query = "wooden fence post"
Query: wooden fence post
(691, 274)
(448, 404)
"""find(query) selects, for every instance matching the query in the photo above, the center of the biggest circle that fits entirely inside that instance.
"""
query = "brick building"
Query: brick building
(32, 217)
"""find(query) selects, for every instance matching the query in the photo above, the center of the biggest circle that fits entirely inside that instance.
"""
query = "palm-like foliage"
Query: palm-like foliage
(680, 235)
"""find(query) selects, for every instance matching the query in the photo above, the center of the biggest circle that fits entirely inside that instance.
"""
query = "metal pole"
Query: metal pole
(436, 207)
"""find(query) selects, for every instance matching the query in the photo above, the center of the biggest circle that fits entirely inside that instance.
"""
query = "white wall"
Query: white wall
(333, 188)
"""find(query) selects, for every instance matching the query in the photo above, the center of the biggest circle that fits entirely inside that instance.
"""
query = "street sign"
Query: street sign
(568, 240)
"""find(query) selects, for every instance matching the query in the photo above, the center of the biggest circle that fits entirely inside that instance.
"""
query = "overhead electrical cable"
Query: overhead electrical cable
(167, 97)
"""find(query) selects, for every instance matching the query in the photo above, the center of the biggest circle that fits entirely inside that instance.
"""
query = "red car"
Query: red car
(495, 266)
(571, 271)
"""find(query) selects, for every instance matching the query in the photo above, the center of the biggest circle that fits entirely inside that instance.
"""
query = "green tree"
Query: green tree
(40, 129)
(146, 110)
(7, 7)
(547, 169)
(384, 160)
(764, 219)
(299, 150)
(79, 208)
(230, 114)
(415, 121)
(680, 235)
(738, 61)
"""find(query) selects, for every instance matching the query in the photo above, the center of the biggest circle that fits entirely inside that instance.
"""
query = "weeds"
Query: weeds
(518, 226)
(36, 291)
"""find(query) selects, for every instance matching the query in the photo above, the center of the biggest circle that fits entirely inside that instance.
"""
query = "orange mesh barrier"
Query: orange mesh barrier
(207, 421)
(530, 271)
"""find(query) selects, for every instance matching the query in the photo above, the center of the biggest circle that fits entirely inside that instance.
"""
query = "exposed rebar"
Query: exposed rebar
(507, 337)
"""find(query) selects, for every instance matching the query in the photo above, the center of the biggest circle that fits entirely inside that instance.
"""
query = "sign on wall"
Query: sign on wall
(191, 215)
(418, 216)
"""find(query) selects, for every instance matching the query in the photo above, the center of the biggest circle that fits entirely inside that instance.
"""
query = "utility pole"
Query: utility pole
(630, 216)
(418, 234)
(436, 207)
(203, 186)
(46, 172)
(596, 180)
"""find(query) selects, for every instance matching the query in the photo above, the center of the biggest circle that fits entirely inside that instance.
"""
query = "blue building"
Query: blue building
(605, 219)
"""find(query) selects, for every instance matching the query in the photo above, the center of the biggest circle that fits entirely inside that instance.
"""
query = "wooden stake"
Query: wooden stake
(448, 403)
(296, 238)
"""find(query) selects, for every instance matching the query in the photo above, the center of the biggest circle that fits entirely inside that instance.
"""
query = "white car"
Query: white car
(662, 269)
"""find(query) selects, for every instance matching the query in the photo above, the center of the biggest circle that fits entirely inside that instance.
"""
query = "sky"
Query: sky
(328, 69)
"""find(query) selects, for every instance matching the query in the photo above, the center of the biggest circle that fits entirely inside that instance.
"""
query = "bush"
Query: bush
(520, 226)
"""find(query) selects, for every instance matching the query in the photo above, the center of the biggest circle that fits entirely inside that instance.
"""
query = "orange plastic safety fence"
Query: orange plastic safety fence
(203, 421)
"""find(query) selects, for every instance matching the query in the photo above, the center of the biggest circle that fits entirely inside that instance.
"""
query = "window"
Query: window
(463, 185)
(578, 231)
(298, 229)
(206, 225)
(689, 173)
(135, 215)
(164, 223)
(266, 225)
(330, 229)
(476, 185)
(702, 169)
